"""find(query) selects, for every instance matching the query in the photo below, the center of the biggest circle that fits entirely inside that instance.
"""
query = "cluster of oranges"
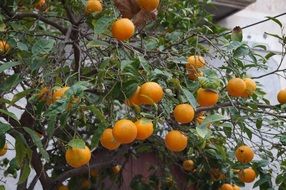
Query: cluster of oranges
(237, 87)
(244, 154)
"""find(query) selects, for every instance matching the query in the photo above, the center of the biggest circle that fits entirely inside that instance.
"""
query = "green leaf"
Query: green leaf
(25, 172)
(212, 118)
(96, 136)
(99, 115)
(9, 114)
(38, 143)
(190, 97)
(22, 149)
(20, 95)
(43, 46)
(51, 125)
(11, 82)
(101, 25)
(275, 20)
(2, 187)
(258, 123)
(4, 128)
(8, 65)
(2, 141)
(76, 143)
(203, 131)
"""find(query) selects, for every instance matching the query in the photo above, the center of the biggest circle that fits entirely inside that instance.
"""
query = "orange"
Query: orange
(123, 29)
(134, 99)
(244, 154)
(108, 141)
(39, 4)
(188, 165)
(247, 175)
(235, 187)
(63, 187)
(176, 141)
(116, 169)
(250, 87)
(195, 75)
(281, 96)
(194, 62)
(77, 157)
(93, 172)
(236, 87)
(150, 93)
(144, 128)
(3, 151)
(85, 184)
(207, 97)
(93, 6)
(226, 186)
(59, 93)
(4, 46)
(184, 113)
(124, 131)
(148, 5)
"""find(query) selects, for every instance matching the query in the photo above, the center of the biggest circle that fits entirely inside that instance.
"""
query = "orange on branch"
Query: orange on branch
(134, 99)
(244, 154)
(116, 169)
(250, 87)
(144, 128)
(148, 5)
(281, 96)
(93, 6)
(176, 141)
(150, 93)
(124, 131)
(194, 62)
(40, 4)
(247, 175)
(236, 87)
(188, 165)
(184, 113)
(226, 186)
(108, 141)
(4, 47)
(123, 29)
(3, 150)
(207, 97)
(59, 93)
(77, 157)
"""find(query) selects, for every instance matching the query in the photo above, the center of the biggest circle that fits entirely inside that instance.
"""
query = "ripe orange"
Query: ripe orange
(244, 154)
(39, 4)
(176, 141)
(93, 6)
(281, 96)
(124, 131)
(3, 151)
(85, 184)
(226, 186)
(93, 172)
(144, 128)
(108, 141)
(59, 93)
(134, 99)
(195, 61)
(77, 157)
(150, 93)
(122, 29)
(184, 113)
(4, 47)
(247, 175)
(188, 165)
(63, 187)
(116, 169)
(148, 5)
(206, 97)
(235, 187)
(250, 87)
(236, 87)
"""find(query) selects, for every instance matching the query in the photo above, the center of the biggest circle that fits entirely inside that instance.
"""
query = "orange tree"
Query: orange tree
(126, 77)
